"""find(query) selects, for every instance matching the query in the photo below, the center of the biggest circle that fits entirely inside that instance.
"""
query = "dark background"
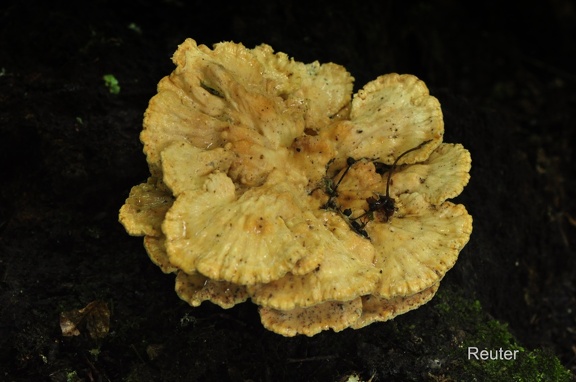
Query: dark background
(69, 153)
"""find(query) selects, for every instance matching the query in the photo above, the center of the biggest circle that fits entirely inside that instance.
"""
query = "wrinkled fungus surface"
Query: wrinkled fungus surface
(267, 183)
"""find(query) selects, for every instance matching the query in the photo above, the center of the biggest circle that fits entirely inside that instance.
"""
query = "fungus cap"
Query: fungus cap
(267, 183)
(335, 315)
(195, 288)
(254, 238)
(419, 245)
(345, 272)
(375, 309)
(145, 209)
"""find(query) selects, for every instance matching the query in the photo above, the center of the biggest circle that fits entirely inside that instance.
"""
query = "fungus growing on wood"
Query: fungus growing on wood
(271, 182)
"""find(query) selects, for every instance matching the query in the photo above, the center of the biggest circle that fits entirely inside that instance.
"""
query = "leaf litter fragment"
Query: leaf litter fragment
(94, 318)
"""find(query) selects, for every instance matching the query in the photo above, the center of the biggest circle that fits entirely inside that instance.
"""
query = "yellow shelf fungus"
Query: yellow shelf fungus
(271, 182)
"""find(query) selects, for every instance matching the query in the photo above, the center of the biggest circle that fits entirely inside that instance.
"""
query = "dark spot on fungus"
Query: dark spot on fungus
(211, 90)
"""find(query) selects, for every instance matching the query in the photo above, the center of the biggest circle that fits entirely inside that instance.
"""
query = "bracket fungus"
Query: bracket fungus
(270, 181)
